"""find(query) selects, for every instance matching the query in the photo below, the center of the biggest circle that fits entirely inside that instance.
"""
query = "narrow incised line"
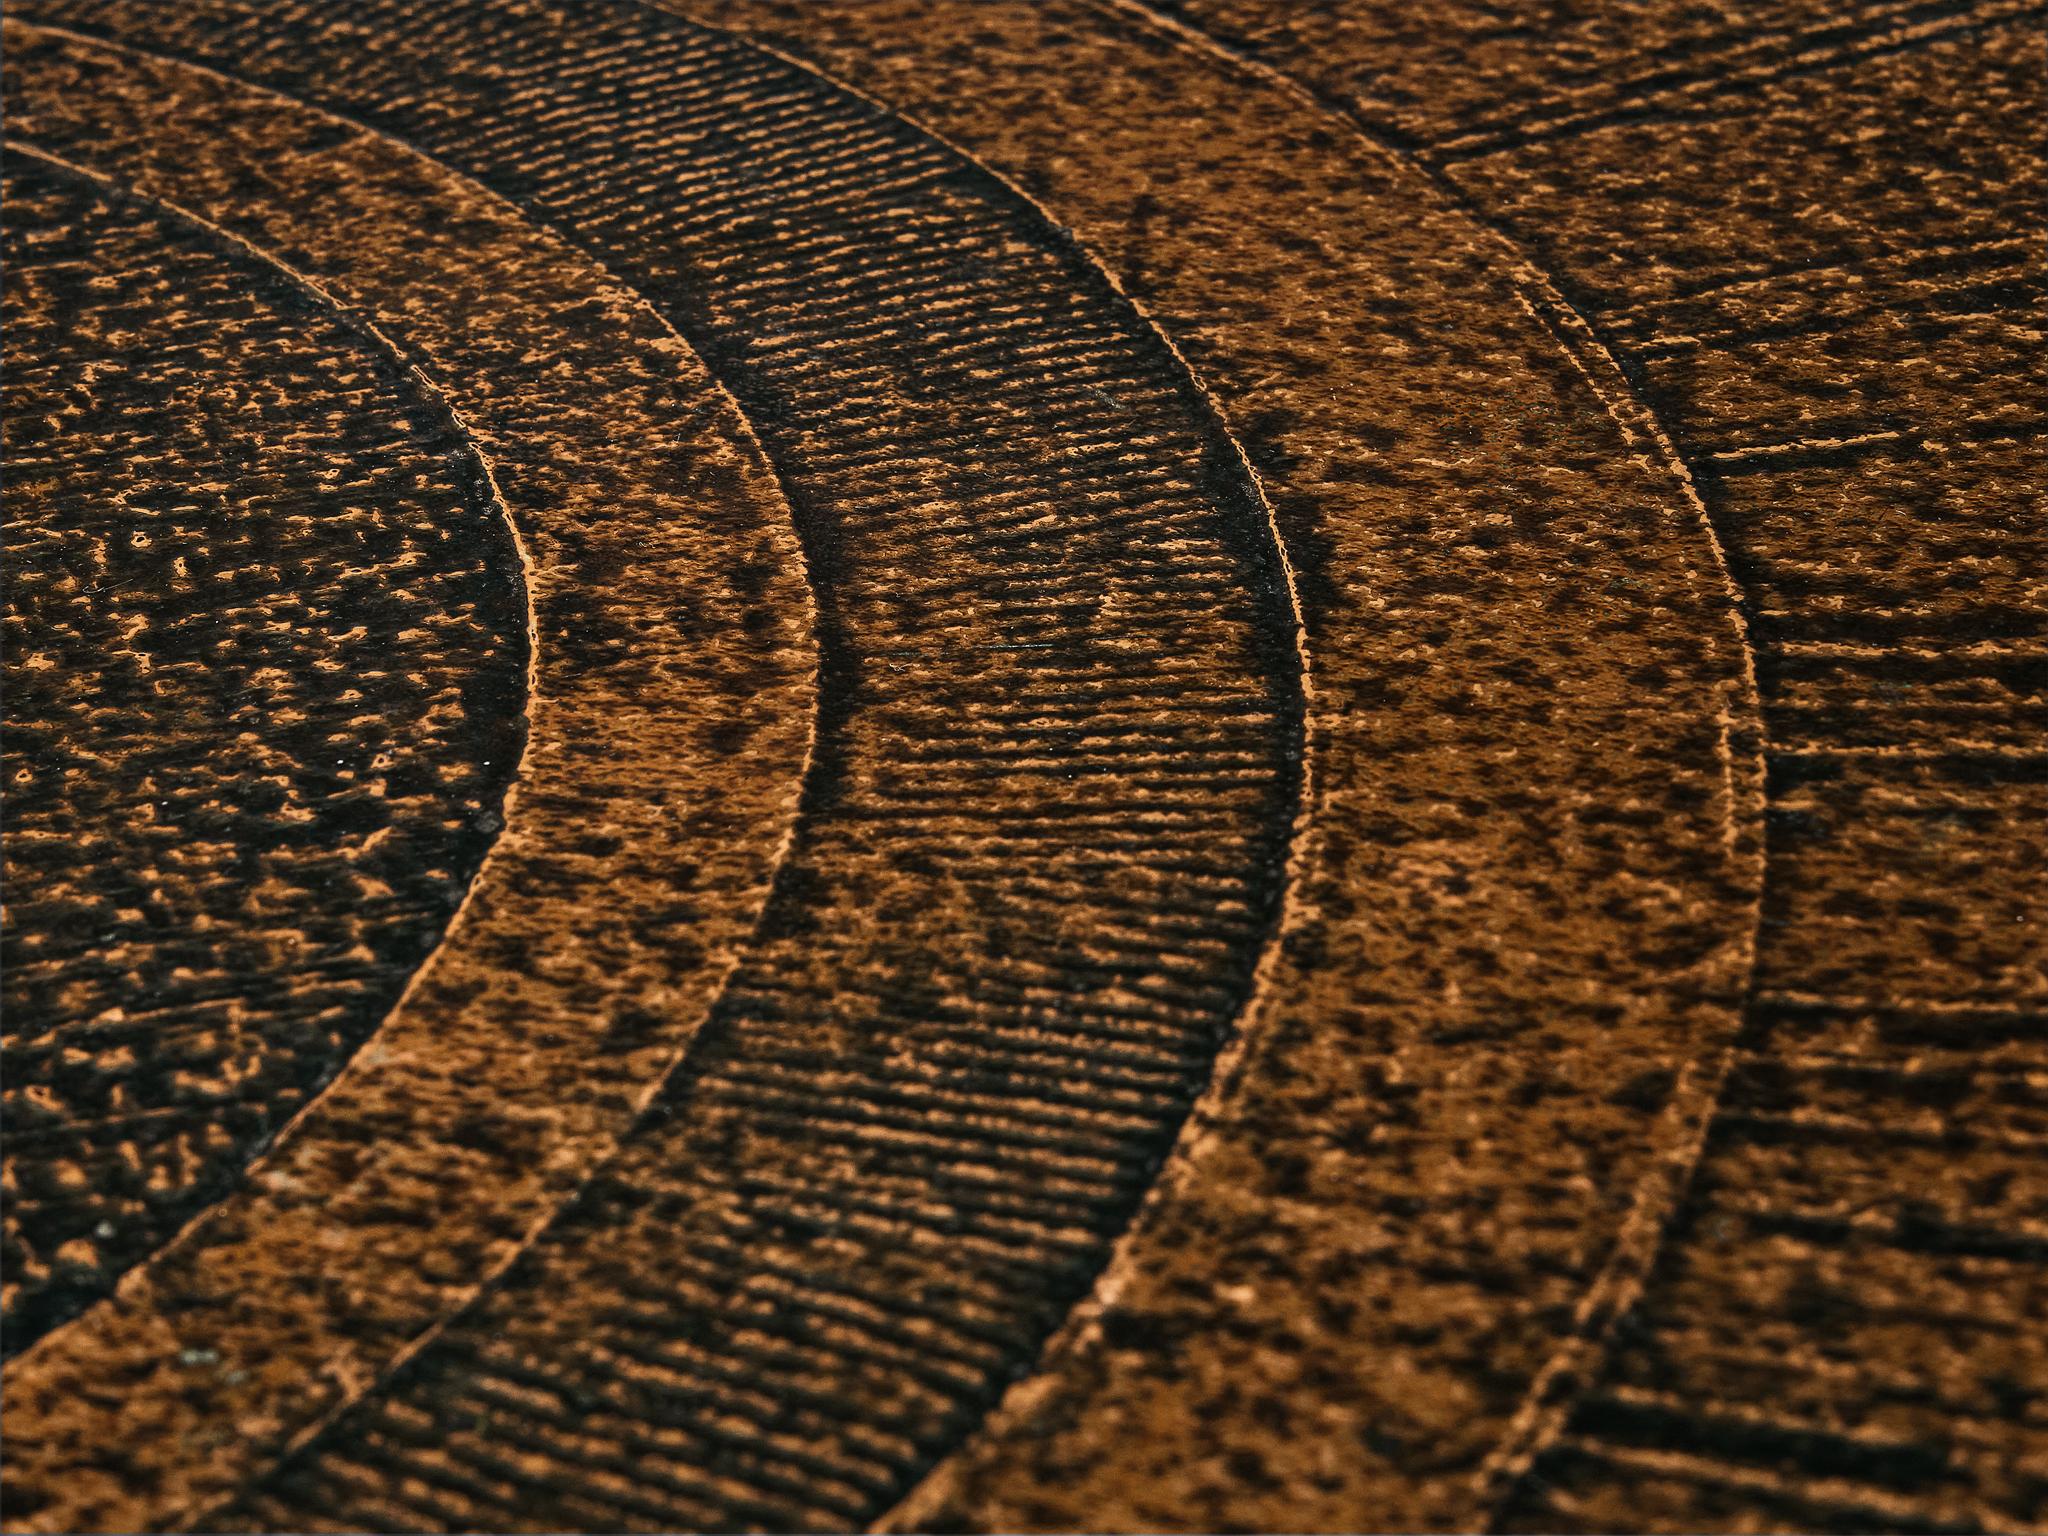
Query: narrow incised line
(408, 362)
(777, 860)
(1835, 1494)
(1750, 56)
(1688, 1117)
(1763, 453)
(1950, 23)
(1898, 266)
(1233, 1051)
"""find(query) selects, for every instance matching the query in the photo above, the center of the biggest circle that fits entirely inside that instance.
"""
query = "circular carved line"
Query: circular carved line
(1514, 954)
(669, 726)
(267, 657)
(1055, 777)
(906, 1044)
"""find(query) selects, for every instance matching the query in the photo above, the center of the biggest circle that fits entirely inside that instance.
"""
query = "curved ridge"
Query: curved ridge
(1230, 1059)
(1303, 414)
(406, 1102)
(273, 1512)
(1219, 779)
(1554, 1391)
(359, 318)
(355, 320)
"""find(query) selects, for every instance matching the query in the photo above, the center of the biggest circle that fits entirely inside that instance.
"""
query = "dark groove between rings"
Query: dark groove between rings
(993, 1118)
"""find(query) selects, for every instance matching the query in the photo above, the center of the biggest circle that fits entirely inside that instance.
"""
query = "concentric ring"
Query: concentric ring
(1042, 833)
(669, 725)
(267, 666)
(1517, 938)
(1040, 852)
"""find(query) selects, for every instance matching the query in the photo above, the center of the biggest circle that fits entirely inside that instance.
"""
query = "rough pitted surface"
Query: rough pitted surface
(266, 651)
(1403, 809)
(1045, 815)
(669, 720)
(1814, 237)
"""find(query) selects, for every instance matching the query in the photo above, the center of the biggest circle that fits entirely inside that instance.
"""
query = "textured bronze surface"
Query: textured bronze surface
(1025, 764)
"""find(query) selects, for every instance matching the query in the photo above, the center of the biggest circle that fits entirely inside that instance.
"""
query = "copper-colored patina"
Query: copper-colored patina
(1025, 764)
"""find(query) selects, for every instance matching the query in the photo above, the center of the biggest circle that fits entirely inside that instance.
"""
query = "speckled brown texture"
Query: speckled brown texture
(267, 673)
(1813, 235)
(669, 723)
(1498, 993)
(1414, 902)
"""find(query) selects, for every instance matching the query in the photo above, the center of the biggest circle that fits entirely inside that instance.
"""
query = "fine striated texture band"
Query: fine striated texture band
(1024, 764)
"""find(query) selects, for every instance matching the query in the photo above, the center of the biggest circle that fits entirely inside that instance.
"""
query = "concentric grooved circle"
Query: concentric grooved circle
(1512, 958)
(670, 723)
(266, 672)
(1044, 825)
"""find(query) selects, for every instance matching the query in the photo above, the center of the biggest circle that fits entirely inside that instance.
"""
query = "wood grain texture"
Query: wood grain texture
(1097, 765)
